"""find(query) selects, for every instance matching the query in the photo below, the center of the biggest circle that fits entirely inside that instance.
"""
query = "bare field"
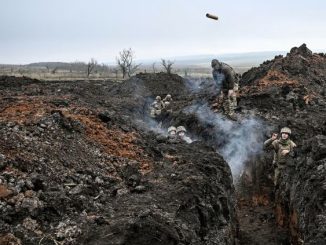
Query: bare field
(42, 73)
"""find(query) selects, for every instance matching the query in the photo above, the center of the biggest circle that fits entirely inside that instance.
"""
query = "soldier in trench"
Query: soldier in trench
(226, 81)
(283, 151)
(167, 103)
(156, 107)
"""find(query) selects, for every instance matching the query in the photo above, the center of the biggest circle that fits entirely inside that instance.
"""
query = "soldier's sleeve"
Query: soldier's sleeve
(270, 144)
(275, 145)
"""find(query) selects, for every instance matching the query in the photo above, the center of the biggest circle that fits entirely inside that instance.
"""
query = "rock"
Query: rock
(76, 190)
(68, 231)
(98, 180)
(122, 192)
(31, 204)
(43, 126)
(30, 224)
(2, 157)
(140, 189)
(320, 167)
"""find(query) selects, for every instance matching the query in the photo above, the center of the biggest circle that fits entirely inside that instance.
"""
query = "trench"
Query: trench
(255, 191)
(256, 209)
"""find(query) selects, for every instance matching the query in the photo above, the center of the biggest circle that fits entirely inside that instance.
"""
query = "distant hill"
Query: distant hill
(49, 64)
(236, 59)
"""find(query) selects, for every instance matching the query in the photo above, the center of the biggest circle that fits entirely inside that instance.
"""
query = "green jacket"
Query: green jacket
(228, 78)
(278, 146)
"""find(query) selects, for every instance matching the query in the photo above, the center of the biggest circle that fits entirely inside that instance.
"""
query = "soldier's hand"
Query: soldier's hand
(284, 152)
(274, 136)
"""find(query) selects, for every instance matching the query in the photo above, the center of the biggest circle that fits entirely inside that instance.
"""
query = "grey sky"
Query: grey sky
(69, 30)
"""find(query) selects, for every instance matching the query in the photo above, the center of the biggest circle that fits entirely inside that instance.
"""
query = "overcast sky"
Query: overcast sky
(70, 30)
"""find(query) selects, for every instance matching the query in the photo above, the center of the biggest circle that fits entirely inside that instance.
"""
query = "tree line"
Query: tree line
(125, 65)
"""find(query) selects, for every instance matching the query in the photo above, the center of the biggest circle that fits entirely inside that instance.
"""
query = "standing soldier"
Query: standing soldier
(225, 79)
(283, 149)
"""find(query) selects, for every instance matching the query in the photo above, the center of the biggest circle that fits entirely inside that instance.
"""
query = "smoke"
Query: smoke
(147, 123)
(196, 85)
(237, 142)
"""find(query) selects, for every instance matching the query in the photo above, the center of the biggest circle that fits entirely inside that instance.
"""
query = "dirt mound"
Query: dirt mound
(76, 168)
(82, 163)
(299, 78)
(11, 81)
(290, 91)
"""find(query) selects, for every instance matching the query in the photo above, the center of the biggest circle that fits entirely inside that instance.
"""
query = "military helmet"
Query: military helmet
(215, 63)
(286, 130)
(168, 96)
(172, 128)
(181, 129)
(158, 98)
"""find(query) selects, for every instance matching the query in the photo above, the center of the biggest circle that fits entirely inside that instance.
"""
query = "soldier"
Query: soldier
(172, 133)
(225, 79)
(181, 134)
(167, 102)
(156, 107)
(283, 149)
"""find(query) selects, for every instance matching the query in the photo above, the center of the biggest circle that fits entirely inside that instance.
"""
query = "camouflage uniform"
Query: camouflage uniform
(167, 103)
(225, 79)
(156, 107)
(172, 132)
(280, 160)
(181, 134)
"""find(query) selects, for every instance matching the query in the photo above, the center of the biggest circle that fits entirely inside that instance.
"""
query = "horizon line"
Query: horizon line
(180, 57)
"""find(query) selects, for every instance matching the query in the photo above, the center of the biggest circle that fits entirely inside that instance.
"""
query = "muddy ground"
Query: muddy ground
(82, 163)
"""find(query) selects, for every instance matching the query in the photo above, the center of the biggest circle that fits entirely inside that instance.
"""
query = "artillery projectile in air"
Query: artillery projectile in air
(214, 17)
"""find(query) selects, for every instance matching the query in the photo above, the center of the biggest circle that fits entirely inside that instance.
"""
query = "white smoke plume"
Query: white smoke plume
(238, 141)
(198, 85)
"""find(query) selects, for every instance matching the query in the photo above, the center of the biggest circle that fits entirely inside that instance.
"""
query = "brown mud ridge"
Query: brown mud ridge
(80, 162)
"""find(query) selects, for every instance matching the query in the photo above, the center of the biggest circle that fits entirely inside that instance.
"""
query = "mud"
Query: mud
(81, 162)
(79, 165)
